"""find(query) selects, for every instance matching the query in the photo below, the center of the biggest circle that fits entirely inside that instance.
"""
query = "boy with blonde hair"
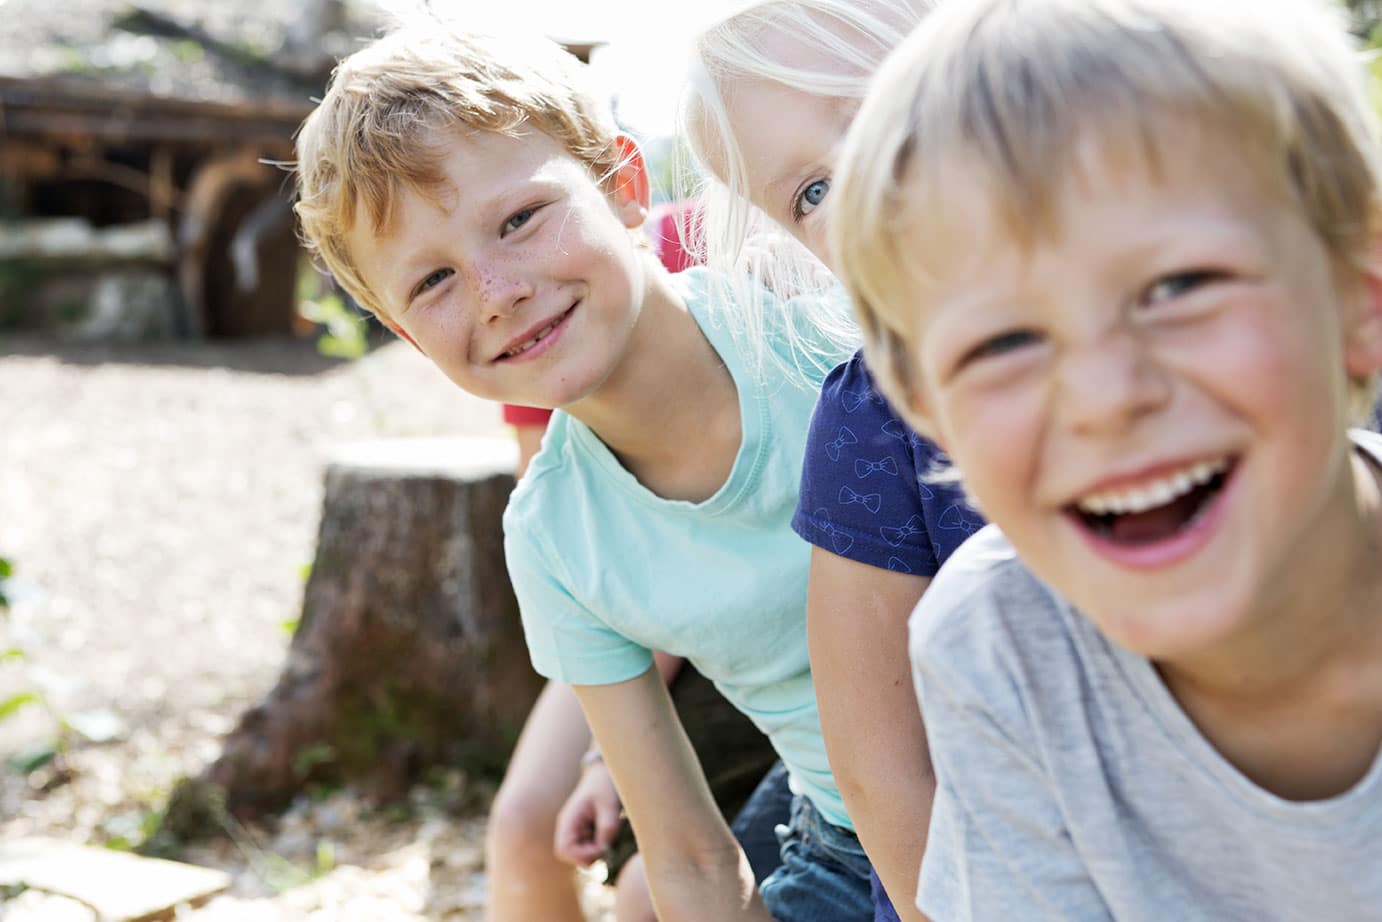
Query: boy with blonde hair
(468, 193)
(1120, 258)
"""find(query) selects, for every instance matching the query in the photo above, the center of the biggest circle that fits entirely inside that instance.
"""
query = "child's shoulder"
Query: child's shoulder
(549, 470)
(988, 622)
(850, 399)
(781, 339)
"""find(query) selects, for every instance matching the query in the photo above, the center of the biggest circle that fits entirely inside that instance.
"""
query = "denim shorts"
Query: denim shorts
(756, 825)
(824, 875)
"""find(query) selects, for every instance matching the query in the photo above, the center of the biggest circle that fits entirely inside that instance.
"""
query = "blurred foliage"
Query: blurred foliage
(1367, 14)
(50, 751)
(344, 331)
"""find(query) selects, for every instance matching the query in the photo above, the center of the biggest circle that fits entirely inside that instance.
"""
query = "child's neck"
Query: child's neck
(670, 410)
(1296, 701)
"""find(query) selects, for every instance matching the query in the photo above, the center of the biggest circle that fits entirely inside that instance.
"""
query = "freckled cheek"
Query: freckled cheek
(446, 334)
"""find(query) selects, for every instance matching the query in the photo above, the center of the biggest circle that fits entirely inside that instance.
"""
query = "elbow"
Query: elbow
(865, 792)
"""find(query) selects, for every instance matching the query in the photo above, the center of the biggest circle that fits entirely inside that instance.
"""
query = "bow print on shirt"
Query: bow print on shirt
(871, 501)
(853, 400)
(846, 437)
(839, 540)
(862, 467)
(956, 518)
(895, 536)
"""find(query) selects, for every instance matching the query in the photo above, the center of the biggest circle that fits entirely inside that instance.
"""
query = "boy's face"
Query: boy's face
(522, 282)
(1151, 400)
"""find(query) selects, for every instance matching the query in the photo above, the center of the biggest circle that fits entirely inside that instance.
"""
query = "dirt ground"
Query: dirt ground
(159, 504)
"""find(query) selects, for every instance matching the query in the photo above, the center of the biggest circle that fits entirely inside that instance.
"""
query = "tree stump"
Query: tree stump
(410, 651)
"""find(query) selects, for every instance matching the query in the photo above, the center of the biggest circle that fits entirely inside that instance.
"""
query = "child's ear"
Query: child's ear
(1363, 334)
(629, 185)
(401, 333)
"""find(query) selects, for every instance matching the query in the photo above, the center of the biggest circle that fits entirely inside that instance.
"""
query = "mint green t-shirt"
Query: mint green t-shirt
(606, 571)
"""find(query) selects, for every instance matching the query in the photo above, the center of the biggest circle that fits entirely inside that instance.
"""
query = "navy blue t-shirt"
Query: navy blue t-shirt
(867, 495)
(864, 492)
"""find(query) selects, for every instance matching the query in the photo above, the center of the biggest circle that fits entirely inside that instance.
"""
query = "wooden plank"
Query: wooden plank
(121, 887)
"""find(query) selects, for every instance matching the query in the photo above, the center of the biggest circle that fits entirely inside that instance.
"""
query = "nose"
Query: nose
(1108, 384)
(500, 289)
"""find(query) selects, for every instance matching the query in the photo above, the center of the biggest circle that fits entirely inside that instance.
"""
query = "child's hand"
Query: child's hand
(590, 818)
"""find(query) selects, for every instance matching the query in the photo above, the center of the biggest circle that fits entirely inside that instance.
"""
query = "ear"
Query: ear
(629, 186)
(1363, 333)
(401, 333)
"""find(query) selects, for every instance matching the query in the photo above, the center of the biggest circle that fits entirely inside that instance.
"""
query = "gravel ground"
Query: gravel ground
(159, 504)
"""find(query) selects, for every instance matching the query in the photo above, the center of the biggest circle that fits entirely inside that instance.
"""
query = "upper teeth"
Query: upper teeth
(1156, 493)
(524, 347)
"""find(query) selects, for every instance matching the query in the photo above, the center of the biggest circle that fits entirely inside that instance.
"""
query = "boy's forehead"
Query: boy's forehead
(471, 167)
(964, 194)
(475, 172)
(966, 230)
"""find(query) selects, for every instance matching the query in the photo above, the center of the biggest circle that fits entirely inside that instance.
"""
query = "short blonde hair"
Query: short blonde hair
(1009, 89)
(381, 126)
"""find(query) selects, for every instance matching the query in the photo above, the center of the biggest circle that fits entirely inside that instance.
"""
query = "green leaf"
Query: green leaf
(13, 703)
(326, 857)
(312, 756)
(6, 569)
(26, 763)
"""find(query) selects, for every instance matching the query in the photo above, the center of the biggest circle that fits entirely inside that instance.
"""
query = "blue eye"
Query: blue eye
(433, 279)
(811, 195)
(518, 219)
(1177, 284)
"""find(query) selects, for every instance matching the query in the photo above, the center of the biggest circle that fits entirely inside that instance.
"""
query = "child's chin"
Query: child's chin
(1169, 628)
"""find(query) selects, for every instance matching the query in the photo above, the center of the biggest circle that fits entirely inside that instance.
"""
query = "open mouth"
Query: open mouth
(539, 337)
(1156, 511)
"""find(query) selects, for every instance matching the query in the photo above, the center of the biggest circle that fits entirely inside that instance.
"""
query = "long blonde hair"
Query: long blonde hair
(852, 37)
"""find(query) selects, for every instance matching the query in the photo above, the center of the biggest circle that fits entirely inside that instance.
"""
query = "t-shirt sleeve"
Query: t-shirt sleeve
(566, 640)
(860, 494)
(998, 846)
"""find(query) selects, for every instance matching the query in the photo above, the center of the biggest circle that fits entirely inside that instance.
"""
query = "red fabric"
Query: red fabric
(515, 415)
(670, 224)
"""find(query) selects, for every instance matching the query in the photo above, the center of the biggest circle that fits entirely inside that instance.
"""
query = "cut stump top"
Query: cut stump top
(121, 887)
(463, 458)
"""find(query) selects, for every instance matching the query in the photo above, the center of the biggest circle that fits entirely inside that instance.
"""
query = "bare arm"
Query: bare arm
(668, 666)
(695, 868)
(589, 821)
(856, 623)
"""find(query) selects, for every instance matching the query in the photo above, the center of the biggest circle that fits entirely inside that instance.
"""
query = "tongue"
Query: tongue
(1154, 524)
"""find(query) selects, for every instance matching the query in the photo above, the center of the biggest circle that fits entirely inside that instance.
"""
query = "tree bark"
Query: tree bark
(409, 651)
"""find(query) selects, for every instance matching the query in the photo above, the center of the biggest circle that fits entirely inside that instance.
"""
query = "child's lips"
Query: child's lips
(537, 339)
(1144, 530)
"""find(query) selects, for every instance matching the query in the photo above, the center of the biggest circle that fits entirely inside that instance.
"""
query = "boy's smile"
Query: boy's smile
(515, 253)
(1150, 399)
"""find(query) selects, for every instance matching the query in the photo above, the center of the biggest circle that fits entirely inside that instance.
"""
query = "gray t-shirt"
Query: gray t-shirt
(1073, 786)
